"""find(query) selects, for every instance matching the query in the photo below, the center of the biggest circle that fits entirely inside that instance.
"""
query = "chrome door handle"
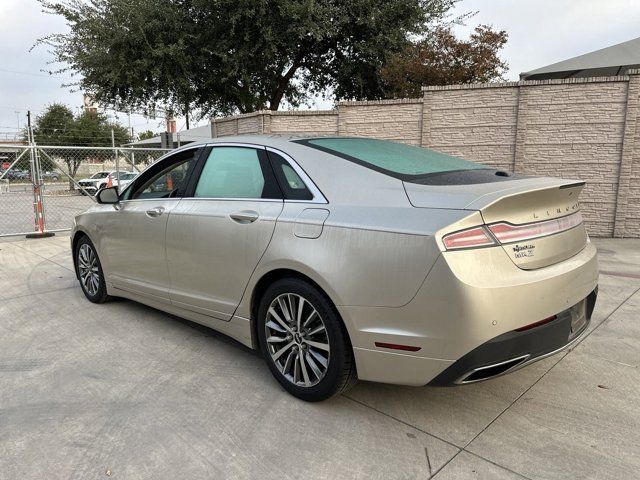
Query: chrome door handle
(155, 212)
(245, 216)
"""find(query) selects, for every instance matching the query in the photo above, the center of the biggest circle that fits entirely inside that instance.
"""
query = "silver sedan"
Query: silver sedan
(343, 258)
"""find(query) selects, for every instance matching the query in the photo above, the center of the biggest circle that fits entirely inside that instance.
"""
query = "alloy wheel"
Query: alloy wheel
(88, 269)
(297, 340)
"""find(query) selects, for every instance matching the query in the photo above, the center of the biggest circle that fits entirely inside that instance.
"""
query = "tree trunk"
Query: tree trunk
(283, 82)
(72, 185)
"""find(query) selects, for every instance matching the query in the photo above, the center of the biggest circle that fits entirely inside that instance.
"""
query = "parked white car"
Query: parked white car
(101, 180)
(126, 179)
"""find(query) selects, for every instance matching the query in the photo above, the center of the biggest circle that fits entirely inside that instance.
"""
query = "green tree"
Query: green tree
(57, 126)
(147, 135)
(227, 56)
(443, 59)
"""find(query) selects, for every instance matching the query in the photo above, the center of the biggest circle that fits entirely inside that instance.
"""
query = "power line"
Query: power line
(35, 74)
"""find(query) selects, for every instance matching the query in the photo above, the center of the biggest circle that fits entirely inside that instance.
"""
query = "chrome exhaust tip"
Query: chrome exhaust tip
(490, 371)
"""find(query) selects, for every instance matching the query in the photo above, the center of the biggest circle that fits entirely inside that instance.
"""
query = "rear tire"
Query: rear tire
(304, 341)
(89, 271)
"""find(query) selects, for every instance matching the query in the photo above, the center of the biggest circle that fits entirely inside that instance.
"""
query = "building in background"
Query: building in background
(610, 61)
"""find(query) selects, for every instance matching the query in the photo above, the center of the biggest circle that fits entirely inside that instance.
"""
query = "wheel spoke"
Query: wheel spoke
(94, 283)
(316, 330)
(287, 364)
(321, 346)
(274, 339)
(303, 367)
(275, 316)
(296, 369)
(83, 254)
(275, 326)
(319, 358)
(280, 352)
(284, 309)
(310, 318)
(299, 312)
(314, 366)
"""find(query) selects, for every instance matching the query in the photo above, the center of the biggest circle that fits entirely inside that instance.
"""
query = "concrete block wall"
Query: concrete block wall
(399, 120)
(586, 129)
(312, 122)
(476, 124)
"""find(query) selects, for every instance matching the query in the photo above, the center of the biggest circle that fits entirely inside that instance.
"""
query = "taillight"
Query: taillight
(470, 238)
(507, 233)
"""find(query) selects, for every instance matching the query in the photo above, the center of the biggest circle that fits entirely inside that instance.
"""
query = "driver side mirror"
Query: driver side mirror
(108, 195)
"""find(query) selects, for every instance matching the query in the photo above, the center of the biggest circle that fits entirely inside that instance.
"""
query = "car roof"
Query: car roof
(272, 140)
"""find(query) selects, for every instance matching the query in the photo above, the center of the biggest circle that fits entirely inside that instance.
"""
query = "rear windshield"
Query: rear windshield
(396, 159)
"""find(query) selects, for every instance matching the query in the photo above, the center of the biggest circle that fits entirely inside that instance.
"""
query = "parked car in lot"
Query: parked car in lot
(14, 174)
(126, 179)
(100, 180)
(52, 176)
(343, 258)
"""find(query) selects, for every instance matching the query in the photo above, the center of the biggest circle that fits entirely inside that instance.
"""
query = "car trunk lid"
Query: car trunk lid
(536, 220)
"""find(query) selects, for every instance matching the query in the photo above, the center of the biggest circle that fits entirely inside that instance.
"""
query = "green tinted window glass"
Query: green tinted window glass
(170, 182)
(393, 157)
(293, 180)
(231, 172)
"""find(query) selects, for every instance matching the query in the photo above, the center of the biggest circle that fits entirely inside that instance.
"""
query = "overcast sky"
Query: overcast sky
(540, 32)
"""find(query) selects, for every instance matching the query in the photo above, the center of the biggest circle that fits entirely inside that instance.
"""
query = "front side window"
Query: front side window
(168, 182)
(234, 172)
(395, 159)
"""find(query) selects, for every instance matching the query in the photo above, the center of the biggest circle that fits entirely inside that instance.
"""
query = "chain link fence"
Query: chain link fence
(43, 188)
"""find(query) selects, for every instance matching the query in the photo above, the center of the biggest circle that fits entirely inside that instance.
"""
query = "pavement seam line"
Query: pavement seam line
(448, 442)
(464, 448)
(43, 257)
(544, 375)
(4, 299)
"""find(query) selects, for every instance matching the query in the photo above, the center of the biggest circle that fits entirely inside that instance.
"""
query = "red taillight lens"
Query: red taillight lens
(471, 238)
(395, 346)
(536, 324)
(506, 233)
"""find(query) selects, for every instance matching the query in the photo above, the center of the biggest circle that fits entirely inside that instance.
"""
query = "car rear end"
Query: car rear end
(516, 281)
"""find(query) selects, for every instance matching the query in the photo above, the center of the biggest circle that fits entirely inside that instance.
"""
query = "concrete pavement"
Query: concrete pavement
(124, 391)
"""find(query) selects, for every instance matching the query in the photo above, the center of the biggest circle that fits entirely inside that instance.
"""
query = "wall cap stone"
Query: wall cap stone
(527, 83)
(274, 113)
(394, 101)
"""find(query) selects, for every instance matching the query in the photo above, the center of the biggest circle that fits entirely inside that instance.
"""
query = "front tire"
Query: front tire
(89, 272)
(304, 342)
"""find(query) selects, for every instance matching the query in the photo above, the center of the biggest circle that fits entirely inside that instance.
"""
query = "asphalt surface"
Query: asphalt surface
(125, 391)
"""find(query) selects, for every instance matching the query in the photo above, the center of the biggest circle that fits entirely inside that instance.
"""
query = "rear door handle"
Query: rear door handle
(245, 216)
(155, 212)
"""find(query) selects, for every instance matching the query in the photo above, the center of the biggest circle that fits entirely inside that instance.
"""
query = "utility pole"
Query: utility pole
(29, 137)
(115, 153)
(130, 127)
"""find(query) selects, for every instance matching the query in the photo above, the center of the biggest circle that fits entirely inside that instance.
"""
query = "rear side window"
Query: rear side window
(290, 182)
(395, 159)
(235, 172)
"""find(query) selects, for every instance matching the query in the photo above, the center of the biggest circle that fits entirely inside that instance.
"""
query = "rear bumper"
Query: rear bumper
(513, 350)
(468, 299)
